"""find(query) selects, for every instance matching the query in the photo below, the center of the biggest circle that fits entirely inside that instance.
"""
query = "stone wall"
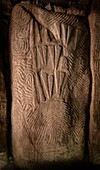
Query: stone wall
(5, 96)
(3, 114)
(92, 132)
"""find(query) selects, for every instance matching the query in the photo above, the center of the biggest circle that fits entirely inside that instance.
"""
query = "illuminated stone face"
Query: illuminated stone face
(50, 84)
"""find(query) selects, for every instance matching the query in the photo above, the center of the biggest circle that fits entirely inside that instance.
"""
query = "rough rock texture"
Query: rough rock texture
(3, 115)
(3, 104)
(5, 11)
(94, 22)
(50, 84)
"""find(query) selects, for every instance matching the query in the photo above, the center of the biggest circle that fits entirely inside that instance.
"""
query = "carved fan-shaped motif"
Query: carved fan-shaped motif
(50, 82)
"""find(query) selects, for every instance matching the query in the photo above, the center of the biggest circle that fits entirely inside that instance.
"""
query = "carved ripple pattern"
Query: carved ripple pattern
(50, 68)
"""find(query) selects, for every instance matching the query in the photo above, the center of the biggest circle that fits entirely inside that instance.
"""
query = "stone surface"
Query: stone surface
(94, 22)
(50, 84)
(3, 159)
(3, 115)
(5, 10)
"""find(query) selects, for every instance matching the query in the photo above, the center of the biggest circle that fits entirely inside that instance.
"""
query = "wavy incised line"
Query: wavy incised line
(50, 83)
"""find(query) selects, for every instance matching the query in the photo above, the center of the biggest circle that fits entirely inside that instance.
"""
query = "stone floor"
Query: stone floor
(8, 165)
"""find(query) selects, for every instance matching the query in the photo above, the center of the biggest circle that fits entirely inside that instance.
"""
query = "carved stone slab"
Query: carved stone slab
(94, 22)
(50, 84)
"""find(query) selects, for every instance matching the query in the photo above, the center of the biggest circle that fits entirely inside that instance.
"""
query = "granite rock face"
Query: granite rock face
(50, 83)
